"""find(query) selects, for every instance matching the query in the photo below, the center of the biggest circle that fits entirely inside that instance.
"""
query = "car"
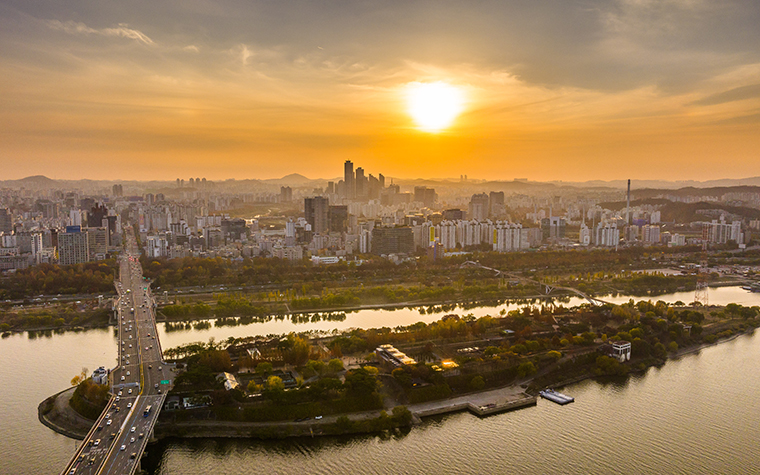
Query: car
(118, 398)
(123, 447)
(122, 378)
(133, 455)
(130, 390)
(132, 440)
(150, 366)
(96, 443)
(141, 435)
(129, 404)
(73, 471)
(108, 423)
(318, 418)
(132, 429)
(130, 345)
(108, 416)
(155, 385)
(99, 428)
(128, 373)
(159, 391)
(119, 392)
(159, 368)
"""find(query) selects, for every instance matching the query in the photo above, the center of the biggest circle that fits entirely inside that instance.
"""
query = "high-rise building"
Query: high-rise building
(73, 246)
(395, 240)
(6, 221)
(479, 207)
(348, 179)
(286, 194)
(425, 195)
(316, 212)
(453, 214)
(338, 216)
(361, 184)
(97, 243)
(553, 227)
(496, 203)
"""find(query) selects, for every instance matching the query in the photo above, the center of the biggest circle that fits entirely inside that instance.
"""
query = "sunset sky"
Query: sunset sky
(570, 90)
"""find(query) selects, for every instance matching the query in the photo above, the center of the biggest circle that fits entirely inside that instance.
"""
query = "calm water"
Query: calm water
(694, 415)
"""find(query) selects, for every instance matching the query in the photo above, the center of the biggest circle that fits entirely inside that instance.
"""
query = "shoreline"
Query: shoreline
(57, 414)
(357, 308)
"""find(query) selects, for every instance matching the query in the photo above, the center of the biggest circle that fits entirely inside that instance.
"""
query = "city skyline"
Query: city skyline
(571, 91)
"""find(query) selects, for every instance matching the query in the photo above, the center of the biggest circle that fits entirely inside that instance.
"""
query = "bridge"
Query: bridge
(139, 382)
(546, 288)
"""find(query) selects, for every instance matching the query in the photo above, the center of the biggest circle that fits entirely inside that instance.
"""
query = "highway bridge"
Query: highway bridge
(139, 382)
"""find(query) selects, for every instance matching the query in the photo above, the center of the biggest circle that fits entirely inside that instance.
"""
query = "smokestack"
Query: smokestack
(628, 205)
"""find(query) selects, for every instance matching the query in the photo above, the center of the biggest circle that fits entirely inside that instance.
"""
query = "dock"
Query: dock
(555, 396)
(475, 404)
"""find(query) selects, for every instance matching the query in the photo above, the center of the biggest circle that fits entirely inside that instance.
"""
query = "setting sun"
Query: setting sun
(434, 106)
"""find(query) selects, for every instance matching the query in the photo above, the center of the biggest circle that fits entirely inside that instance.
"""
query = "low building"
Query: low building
(100, 376)
(230, 381)
(390, 355)
(621, 350)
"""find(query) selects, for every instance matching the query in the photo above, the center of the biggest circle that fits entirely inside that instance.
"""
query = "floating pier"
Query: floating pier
(555, 396)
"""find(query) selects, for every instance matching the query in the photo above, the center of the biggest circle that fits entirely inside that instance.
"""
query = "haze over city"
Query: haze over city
(542, 90)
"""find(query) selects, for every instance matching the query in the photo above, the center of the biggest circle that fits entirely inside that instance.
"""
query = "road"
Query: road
(139, 382)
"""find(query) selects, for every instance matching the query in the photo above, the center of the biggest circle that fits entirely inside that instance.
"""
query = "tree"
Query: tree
(253, 387)
(402, 377)
(335, 365)
(274, 383)
(297, 350)
(526, 369)
(477, 383)
(360, 382)
(264, 367)
(76, 380)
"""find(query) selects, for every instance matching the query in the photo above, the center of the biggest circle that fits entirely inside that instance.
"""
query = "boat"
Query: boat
(556, 397)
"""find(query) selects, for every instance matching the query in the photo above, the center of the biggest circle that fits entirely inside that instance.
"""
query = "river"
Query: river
(694, 415)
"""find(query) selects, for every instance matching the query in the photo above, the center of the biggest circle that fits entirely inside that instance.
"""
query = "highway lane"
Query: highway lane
(139, 382)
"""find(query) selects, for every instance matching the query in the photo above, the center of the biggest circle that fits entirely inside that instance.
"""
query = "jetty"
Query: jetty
(555, 396)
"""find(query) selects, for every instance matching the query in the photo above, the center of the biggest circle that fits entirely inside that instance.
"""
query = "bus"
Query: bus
(147, 411)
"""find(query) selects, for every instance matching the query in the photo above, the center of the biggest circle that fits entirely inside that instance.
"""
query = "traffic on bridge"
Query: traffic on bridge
(139, 382)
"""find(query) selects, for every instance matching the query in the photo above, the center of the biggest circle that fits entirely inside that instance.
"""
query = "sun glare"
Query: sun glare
(434, 106)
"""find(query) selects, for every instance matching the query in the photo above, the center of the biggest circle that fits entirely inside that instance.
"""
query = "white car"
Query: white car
(109, 422)
(132, 429)
(130, 390)
(123, 447)
(129, 405)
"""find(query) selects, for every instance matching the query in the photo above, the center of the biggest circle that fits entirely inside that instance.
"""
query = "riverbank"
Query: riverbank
(56, 413)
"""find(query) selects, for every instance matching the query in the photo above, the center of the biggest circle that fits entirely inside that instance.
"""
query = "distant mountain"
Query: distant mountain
(664, 184)
(36, 181)
(294, 179)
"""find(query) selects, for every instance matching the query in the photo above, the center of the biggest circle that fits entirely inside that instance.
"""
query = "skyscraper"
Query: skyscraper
(316, 212)
(348, 179)
(361, 184)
